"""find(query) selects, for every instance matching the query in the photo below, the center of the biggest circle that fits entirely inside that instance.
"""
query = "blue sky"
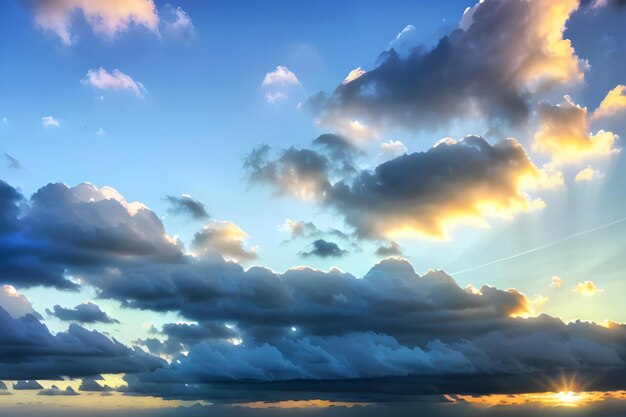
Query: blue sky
(174, 99)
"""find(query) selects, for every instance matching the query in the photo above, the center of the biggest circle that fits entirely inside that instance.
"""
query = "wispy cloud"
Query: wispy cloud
(116, 80)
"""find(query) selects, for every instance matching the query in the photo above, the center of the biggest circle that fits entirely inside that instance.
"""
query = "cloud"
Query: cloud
(26, 385)
(54, 391)
(302, 229)
(614, 103)
(12, 162)
(280, 76)
(279, 83)
(116, 80)
(393, 148)
(225, 238)
(324, 249)
(83, 227)
(14, 303)
(391, 249)
(49, 121)
(29, 351)
(90, 385)
(83, 313)
(587, 288)
(504, 53)
(180, 23)
(588, 174)
(106, 18)
(422, 194)
(557, 282)
(254, 333)
(563, 134)
(101, 132)
(185, 205)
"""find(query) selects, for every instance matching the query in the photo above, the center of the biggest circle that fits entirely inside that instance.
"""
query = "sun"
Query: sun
(567, 398)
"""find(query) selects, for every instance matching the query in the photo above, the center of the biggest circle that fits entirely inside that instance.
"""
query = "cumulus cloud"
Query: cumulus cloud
(587, 288)
(101, 79)
(279, 83)
(186, 205)
(503, 53)
(614, 103)
(324, 249)
(302, 229)
(106, 18)
(588, 174)
(49, 121)
(563, 133)
(421, 194)
(225, 238)
(83, 226)
(83, 313)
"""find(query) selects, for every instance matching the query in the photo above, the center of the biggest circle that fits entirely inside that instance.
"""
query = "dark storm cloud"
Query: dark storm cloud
(82, 313)
(502, 52)
(26, 385)
(29, 351)
(62, 228)
(324, 249)
(424, 193)
(185, 205)
(389, 249)
(90, 385)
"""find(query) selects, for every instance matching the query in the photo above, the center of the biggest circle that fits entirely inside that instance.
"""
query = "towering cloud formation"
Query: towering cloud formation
(423, 193)
(502, 52)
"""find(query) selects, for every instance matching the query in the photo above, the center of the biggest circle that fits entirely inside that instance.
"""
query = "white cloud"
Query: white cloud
(280, 76)
(393, 148)
(116, 80)
(588, 174)
(106, 18)
(279, 83)
(49, 121)
(101, 132)
(587, 288)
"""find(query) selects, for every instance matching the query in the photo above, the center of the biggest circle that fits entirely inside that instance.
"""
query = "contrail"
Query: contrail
(542, 247)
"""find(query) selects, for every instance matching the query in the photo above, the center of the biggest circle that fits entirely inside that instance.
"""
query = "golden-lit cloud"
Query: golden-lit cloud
(557, 282)
(546, 399)
(587, 174)
(587, 288)
(225, 238)
(563, 133)
(299, 404)
(613, 103)
(106, 18)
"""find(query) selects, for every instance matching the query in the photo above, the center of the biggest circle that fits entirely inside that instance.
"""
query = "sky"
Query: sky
(315, 208)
